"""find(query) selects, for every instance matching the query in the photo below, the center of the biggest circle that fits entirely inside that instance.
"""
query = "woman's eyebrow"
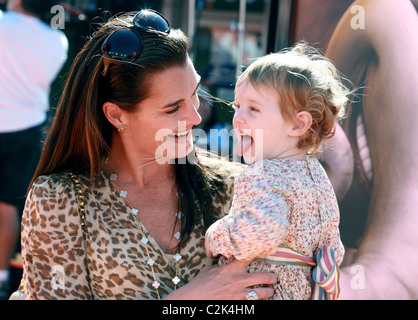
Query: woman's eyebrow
(170, 105)
(173, 104)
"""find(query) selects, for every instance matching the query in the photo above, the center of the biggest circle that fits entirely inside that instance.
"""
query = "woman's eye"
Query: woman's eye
(173, 110)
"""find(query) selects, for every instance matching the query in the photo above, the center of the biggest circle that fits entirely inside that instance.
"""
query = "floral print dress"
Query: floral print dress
(279, 202)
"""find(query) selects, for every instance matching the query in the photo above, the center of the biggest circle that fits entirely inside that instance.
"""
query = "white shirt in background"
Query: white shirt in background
(31, 56)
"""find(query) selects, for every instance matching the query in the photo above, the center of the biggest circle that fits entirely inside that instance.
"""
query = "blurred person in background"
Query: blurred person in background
(31, 55)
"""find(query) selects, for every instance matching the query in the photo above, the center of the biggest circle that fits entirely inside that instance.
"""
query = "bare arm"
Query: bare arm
(388, 46)
(228, 282)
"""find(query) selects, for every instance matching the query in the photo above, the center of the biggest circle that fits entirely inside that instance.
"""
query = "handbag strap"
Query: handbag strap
(81, 199)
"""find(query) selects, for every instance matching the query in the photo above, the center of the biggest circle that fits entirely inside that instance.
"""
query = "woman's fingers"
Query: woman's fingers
(261, 293)
(226, 282)
(246, 281)
(251, 279)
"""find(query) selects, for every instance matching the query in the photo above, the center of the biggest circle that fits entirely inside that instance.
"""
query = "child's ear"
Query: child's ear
(302, 123)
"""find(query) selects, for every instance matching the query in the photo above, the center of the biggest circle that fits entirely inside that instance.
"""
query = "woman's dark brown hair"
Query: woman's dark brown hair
(80, 135)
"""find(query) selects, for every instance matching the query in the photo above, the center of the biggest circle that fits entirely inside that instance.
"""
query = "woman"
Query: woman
(129, 223)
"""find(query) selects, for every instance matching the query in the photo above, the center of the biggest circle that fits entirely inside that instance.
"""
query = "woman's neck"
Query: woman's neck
(142, 170)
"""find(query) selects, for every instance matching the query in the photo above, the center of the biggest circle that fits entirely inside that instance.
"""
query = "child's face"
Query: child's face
(262, 131)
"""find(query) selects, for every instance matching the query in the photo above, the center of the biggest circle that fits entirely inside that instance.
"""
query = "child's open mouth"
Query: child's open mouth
(245, 143)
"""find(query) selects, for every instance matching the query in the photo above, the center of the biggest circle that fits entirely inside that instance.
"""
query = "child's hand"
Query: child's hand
(210, 246)
(209, 253)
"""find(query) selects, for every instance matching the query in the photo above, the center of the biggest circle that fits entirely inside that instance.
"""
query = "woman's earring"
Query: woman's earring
(122, 128)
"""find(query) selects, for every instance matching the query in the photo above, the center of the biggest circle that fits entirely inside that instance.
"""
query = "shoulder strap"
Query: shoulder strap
(81, 201)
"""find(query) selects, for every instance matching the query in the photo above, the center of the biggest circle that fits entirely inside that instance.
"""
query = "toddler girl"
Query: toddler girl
(284, 214)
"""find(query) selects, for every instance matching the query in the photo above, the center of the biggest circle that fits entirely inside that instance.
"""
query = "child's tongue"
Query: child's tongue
(243, 145)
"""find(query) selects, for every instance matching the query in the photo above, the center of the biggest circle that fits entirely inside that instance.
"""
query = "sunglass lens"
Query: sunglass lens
(123, 45)
(149, 19)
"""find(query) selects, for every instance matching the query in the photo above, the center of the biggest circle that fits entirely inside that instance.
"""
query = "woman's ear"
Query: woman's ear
(302, 124)
(114, 114)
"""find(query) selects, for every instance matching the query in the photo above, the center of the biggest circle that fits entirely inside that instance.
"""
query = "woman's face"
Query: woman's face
(161, 128)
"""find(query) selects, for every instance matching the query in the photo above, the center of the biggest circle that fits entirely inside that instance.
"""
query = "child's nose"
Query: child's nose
(238, 119)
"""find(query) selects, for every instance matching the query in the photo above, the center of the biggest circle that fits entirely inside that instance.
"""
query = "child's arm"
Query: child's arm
(256, 225)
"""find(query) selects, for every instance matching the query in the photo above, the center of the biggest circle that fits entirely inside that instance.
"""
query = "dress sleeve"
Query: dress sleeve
(53, 247)
(332, 238)
(329, 212)
(257, 222)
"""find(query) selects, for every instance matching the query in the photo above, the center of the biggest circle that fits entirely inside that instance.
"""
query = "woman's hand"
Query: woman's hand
(227, 282)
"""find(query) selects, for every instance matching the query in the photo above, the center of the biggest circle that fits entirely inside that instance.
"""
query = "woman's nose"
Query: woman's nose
(193, 116)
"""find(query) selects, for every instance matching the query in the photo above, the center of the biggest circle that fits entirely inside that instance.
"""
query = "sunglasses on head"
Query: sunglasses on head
(125, 45)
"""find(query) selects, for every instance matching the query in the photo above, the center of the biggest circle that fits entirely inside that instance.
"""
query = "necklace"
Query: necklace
(150, 262)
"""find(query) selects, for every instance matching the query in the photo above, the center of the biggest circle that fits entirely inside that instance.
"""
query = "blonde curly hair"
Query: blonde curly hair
(305, 80)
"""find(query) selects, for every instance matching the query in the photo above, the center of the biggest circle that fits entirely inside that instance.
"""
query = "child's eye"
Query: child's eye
(235, 106)
(254, 109)
(174, 110)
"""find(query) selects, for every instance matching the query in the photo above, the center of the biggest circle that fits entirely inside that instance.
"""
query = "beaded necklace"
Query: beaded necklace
(150, 262)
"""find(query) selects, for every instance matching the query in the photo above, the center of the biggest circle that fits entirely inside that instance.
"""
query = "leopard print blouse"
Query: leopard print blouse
(110, 262)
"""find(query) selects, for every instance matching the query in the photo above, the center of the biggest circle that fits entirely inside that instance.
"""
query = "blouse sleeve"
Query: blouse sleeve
(257, 222)
(53, 247)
